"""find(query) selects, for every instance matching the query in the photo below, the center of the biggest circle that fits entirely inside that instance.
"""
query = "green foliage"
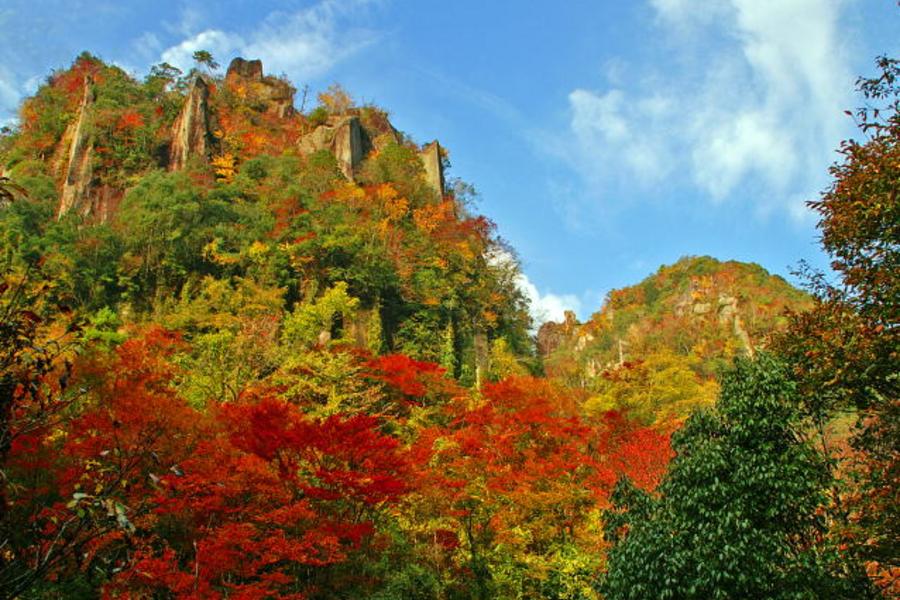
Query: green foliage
(322, 320)
(416, 337)
(166, 222)
(103, 328)
(398, 164)
(412, 582)
(736, 514)
(448, 349)
(205, 59)
(317, 116)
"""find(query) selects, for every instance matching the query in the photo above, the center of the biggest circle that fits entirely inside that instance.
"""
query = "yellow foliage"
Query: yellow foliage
(348, 192)
(661, 388)
(258, 250)
(213, 252)
(504, 362)
(336, 99)
(397, 208)
(386, 192)
(225, 166)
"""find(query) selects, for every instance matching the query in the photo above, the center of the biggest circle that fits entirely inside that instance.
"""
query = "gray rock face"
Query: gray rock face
(728, 314)
(77, 183)
(190, 132)
(343, 137)
(702, 308)
(434, 167)
(727, 308)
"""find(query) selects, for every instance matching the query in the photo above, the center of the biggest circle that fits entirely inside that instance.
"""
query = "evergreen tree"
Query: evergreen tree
(737, 514)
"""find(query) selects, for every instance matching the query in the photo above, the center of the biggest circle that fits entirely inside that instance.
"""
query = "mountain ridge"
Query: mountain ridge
(698, 313)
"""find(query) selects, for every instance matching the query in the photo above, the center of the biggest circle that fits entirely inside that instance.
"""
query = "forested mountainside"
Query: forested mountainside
(655, 348)
(180, 198)
(252, 350)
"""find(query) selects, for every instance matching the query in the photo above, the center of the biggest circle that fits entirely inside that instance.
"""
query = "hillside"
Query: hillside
(254, 350)
(184, 195)
(656, 347)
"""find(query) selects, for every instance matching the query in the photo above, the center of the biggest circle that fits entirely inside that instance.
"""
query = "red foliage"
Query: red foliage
(641, 453)
(523, 460)
(129, 120)
(269, 491)
(71, 81)
(240, 501)
(410, 380)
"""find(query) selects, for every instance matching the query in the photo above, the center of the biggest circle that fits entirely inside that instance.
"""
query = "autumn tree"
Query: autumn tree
(516, 486)
(335, 99)
(845, 351)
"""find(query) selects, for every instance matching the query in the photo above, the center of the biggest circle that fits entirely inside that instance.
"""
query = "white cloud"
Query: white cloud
(218, 43)
(549, 306)
(304, 44)
(754, 95)
(543, 307)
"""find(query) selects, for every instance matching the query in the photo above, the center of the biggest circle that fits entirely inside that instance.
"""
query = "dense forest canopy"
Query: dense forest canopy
(251, 351)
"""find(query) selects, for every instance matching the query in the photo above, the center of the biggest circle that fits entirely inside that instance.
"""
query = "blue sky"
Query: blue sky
(604, 138)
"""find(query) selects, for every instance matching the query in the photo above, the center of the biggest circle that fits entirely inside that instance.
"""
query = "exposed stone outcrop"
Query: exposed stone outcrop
(552, 335)
(728, 314)
(343, 136)
(701, 308)
(190, 132)
(382, 139)
(725, 311)
(78, 171)
(584, 338)
(241, 68)
(434, 167)
(105, 201)
(266, 93)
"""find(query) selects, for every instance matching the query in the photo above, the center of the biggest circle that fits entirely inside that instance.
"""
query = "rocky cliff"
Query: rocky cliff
(78, 168)
(552, 336)
(268, 94)
(434, 166)
(119, 128)
(343, 136)
(190, 132)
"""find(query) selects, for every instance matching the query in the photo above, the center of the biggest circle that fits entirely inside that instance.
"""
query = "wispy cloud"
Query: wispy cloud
(754, 95)
(10, 93)
(304, 43)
